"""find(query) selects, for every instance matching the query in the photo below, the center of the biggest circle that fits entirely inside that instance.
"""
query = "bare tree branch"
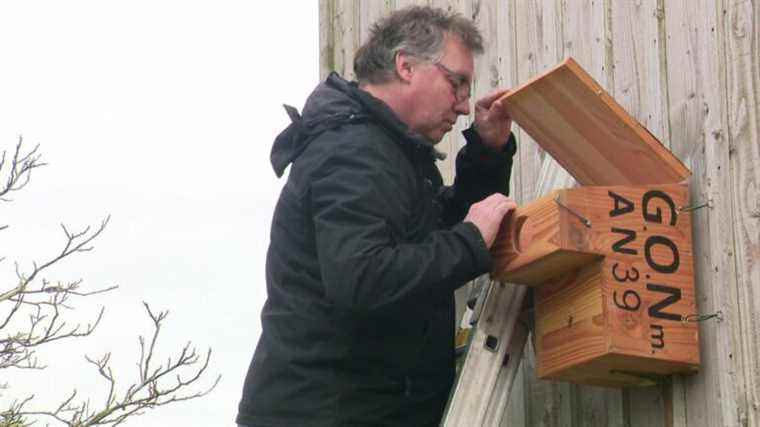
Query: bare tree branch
(21, 166)
(45, 324)
(155, 386)
(32, 315)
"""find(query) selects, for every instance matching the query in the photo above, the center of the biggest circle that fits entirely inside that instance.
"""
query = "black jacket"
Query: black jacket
(367, 248)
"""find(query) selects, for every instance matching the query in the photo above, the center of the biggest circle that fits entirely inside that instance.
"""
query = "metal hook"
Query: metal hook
(696, 317)
(583, 219)
(690, 208)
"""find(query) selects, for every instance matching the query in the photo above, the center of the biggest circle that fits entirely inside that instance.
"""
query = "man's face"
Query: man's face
(441, 91)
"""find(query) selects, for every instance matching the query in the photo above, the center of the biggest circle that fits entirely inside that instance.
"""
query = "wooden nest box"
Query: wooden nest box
(611, 260)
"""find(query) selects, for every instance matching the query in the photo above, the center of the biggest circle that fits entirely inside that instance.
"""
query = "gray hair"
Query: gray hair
(418, 31)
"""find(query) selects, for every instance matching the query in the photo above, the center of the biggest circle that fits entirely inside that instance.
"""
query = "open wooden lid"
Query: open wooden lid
(588, 133)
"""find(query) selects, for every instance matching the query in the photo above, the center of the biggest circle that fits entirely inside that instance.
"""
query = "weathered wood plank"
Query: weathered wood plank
(699, 135)
(514, 413)
(684, 26)
(598, 407)
(493, 69)
(584, 37)
(506, 70)
(537, 48)
(549, 403)
(369, 13)
(326, 38)
(488, 73)
(346, 27)
(538, 45)
(502, 72)
(640, 86)
(674, 402)
(742, 59)
(400, 4)
(502, 392)
(636, 47)
(645, 406)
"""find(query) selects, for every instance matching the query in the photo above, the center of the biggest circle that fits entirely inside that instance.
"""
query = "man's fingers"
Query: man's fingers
(498, 109)
(489, 99)
(500, 203)
(505, 206)
(488, 215)
(495, 199)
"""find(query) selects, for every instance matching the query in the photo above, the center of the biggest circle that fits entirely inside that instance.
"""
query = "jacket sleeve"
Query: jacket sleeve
(480, 172)
(360, 204)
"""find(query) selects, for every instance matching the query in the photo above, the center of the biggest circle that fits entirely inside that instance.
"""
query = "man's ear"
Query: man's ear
(404, 67)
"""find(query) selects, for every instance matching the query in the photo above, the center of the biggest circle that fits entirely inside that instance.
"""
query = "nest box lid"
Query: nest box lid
(579, 124)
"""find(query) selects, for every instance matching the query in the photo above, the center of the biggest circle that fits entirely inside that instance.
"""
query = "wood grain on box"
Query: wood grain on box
(588, 133)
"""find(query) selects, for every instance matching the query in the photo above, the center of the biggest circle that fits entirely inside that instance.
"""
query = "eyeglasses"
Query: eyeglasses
(459, 82)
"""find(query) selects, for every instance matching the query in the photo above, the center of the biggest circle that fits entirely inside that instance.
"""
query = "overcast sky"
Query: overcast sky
(161, 114)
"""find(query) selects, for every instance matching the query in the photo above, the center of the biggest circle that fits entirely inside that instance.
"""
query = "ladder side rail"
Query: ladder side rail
(482, 390)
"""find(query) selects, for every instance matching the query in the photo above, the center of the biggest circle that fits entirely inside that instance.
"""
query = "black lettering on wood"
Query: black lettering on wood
(619, 246)
(657, 215)
(661, 240)
(628, 277)
(658, 339)
(622, 205)
(625, 305)
(674, 295)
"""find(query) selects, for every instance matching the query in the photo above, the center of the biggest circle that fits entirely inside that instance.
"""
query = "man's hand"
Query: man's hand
(492, 122)
(488, 214)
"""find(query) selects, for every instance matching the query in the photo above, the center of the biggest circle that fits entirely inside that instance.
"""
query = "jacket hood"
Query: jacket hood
(333, 103)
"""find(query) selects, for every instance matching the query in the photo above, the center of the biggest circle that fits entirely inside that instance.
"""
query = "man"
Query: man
(367, 245)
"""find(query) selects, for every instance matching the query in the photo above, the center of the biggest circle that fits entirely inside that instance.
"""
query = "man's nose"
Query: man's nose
(462, 107)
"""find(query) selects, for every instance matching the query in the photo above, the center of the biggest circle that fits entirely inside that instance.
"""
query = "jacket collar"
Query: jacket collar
(333, 103)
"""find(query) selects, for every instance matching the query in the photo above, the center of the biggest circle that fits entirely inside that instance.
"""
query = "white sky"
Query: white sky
(162, 114)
